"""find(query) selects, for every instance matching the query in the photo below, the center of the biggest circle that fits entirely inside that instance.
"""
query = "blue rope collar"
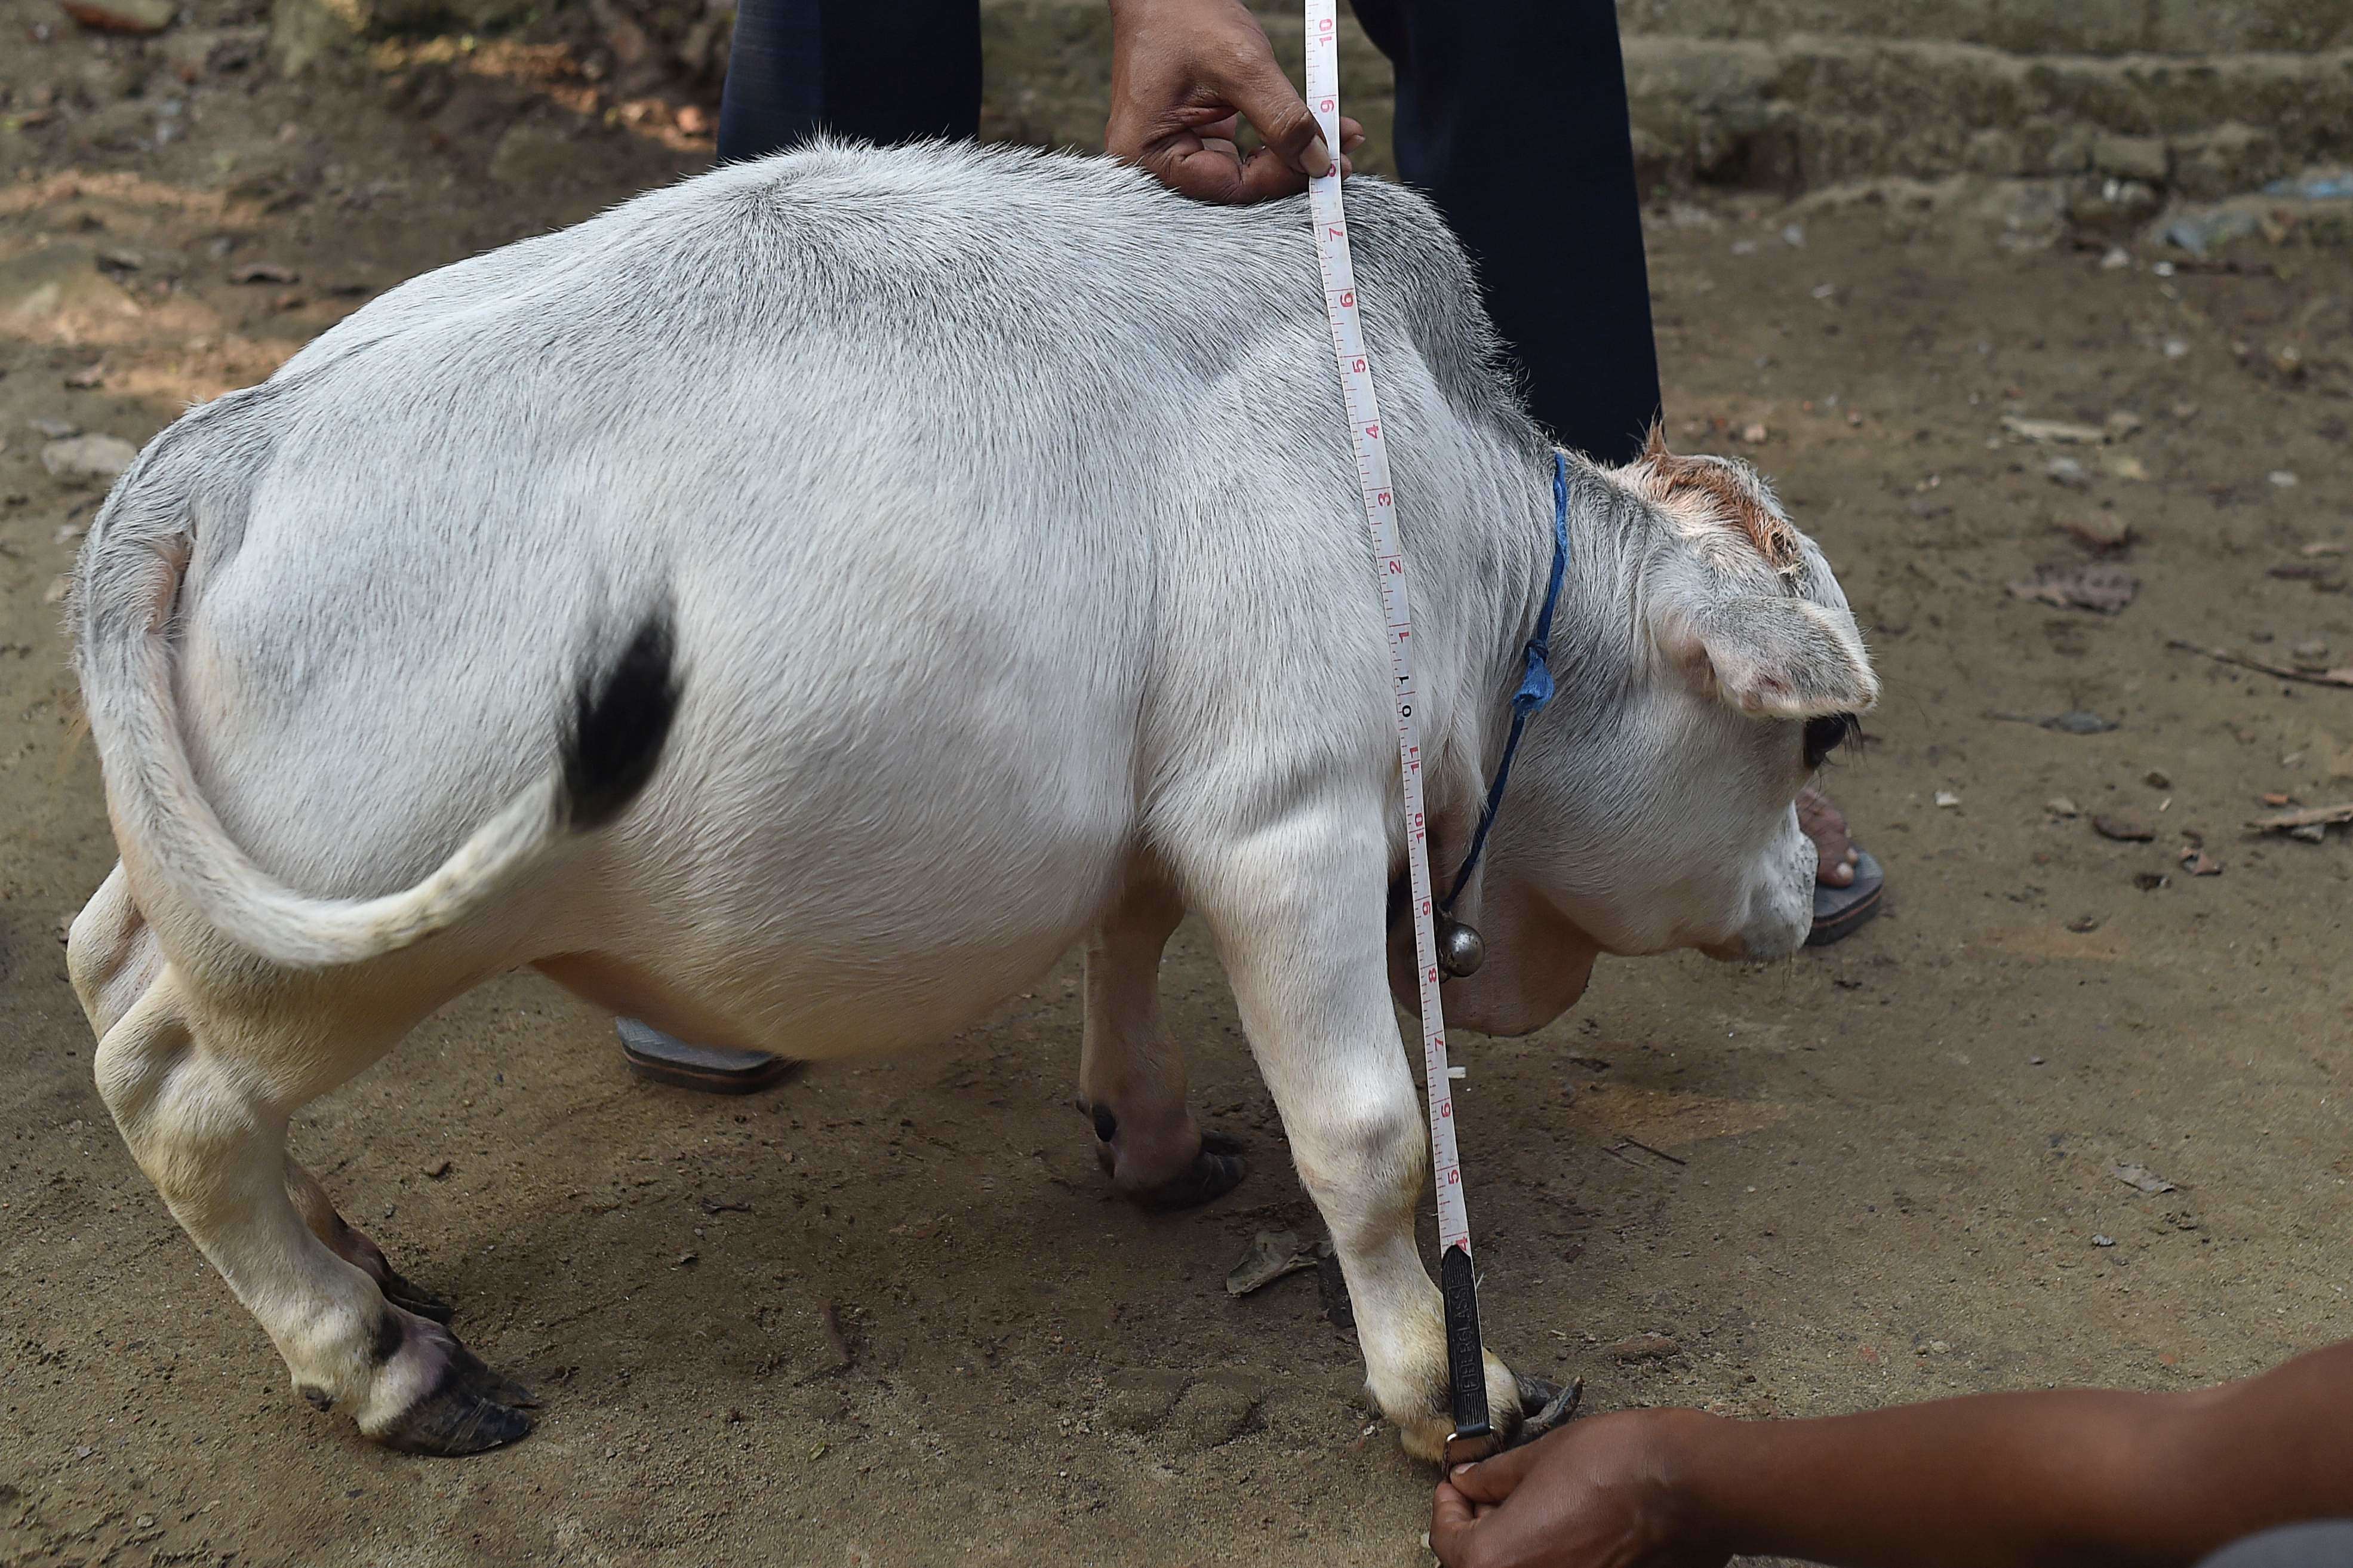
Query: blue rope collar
(1535, 685)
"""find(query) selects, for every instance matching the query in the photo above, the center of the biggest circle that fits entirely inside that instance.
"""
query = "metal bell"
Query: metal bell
(1460, 950)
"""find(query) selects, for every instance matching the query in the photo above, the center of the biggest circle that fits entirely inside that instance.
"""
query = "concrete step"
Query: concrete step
(1816, 110)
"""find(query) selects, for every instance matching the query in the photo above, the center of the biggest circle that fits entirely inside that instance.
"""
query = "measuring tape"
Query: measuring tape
(1457, 1280)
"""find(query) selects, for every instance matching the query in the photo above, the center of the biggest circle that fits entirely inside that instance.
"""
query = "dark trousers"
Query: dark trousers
(1511, 115)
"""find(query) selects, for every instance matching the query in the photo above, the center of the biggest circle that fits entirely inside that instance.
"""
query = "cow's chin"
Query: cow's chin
(1536, 967)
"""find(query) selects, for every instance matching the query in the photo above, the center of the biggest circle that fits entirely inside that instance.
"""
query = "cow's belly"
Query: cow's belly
(810, 1007)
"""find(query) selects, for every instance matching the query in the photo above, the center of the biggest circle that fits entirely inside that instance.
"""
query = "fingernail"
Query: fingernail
(1462, 1470)
(1317, 159)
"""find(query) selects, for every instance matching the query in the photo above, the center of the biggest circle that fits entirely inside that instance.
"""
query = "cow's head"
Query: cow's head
(1652, 807)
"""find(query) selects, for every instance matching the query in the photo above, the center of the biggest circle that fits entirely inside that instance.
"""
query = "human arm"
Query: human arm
(2074, 1476)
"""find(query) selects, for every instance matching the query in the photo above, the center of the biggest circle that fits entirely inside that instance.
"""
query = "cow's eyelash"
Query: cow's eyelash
(1826, 735)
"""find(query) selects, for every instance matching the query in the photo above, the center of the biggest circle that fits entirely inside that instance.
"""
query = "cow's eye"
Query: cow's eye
(1824, 736)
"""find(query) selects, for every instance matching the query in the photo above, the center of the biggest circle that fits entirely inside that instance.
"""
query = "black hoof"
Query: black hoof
(469, 1410)
(1216, 1171)
(410, 1297)
(1544, 1406)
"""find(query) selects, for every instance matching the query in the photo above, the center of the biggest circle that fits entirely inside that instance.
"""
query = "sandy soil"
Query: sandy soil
(1877, 1173)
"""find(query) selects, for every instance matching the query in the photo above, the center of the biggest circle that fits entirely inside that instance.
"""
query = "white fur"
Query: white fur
(1007, 513)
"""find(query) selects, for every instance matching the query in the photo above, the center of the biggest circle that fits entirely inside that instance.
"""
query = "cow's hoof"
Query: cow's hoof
(1544, 1407)
(1216, 1171)
(467, 1409)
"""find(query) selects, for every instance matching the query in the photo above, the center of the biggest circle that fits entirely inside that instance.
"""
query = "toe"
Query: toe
(409, 1297)
(1544, 1406)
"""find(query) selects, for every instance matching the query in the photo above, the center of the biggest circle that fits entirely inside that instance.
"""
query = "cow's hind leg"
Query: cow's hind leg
(1132, 1073)
(354, 1246)
(201, 1088)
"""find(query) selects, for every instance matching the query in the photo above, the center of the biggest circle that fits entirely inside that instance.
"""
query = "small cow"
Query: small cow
(798, 606)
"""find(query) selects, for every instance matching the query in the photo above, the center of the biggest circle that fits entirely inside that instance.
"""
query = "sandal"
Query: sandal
(710, 1069)
(1840, 912)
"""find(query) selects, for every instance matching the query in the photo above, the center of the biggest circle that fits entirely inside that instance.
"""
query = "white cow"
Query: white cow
(828, 590)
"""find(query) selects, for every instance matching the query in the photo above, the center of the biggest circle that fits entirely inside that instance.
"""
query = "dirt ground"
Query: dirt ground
(1880, 1172)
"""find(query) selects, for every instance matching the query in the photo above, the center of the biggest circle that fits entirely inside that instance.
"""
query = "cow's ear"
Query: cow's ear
(1772, 656)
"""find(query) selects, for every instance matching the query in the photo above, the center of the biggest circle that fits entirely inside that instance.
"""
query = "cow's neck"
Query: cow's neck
(1494, 591)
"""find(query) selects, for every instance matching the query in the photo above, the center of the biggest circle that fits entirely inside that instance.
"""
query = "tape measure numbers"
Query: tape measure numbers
(1458, 1281)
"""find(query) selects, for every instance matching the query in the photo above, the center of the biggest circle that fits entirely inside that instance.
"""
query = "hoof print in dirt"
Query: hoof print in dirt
(1216, 1171)
(469, 1410)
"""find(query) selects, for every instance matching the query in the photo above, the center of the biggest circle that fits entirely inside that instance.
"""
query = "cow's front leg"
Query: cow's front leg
(1297, 909)
(1132, 1073)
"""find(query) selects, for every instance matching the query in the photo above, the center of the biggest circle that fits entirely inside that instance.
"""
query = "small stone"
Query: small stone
(56, 590)
(2060, 805)
(1753, 435)
(1644, 1348)
(2103, 1240)
(2034, 1061)
(2157, 778)
(2274, 798)
(123, 16)
(2100, 532)
(438, 1170)
(2282, 478)
(2198, 862)
(84, 458)
(2082, 925)
(2310, 833)
(2141, 1179)
(264, 273)
(1794, 236)
(2066, 470)
(2122, 424)
(2124, 827)
(2079, 721)
(2314, 649)
(55, 430)
(88, 376)
(2150, 881)
(1947, 799)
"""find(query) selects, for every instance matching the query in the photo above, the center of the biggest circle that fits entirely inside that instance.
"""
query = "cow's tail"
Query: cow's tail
(128, 586)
